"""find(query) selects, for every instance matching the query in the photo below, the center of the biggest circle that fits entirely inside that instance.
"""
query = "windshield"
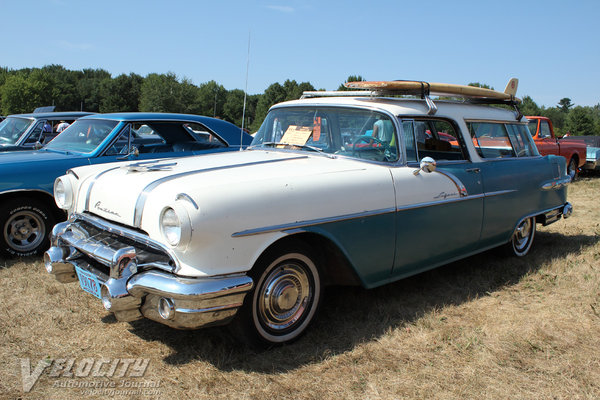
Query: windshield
(351, 132)
(12, 128)
(82, 136)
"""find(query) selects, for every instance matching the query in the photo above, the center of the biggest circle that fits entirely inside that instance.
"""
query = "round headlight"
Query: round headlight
(63, 192)
(170, 226)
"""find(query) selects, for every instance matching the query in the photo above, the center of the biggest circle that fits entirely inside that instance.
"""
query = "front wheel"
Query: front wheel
(522, 239)
(26, 226)
(572, 169)
(285, 297)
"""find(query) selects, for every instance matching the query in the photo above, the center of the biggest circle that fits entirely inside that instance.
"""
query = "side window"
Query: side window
(491, 140)
(544, 129)
(202, 135)
(521, 140)
(35, 134)
(439, 140)
(121, 145)
(409, 140)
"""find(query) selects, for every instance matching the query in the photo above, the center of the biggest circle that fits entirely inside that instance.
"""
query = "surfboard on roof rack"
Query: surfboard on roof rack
(439, 89)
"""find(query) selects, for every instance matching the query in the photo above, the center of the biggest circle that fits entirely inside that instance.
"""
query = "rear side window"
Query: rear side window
(500, 140)
(433, 138)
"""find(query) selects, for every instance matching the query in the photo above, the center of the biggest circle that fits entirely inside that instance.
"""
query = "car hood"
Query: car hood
(162, 181)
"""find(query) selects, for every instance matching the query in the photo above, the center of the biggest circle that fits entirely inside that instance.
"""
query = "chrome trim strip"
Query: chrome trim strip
(70, 171)
(556, 183)
(462, 190)
(498, 193)
(92, 183)
(128, 233)
(141, 201)
(318, 221)
(187, 197)
(302, 224)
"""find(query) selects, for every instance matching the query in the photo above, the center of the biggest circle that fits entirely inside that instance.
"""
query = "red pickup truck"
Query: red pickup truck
(547, 143)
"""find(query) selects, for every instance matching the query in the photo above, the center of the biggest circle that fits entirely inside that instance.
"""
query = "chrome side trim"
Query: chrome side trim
(141, 201)
(302, 224)
(188, 198)
(92, 183)
(556, 184)
(462, 190)
(128, 233)
(70, 171)
(318, 221)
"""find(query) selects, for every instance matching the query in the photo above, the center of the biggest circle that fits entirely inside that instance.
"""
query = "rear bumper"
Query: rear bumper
(555, 214)
(131, 292)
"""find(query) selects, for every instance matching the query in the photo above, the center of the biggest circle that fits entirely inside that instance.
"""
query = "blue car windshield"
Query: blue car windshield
(12, 128)
(82, 136)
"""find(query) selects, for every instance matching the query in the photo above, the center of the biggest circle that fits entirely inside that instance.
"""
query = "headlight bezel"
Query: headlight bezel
(175, 235)
(63, 192)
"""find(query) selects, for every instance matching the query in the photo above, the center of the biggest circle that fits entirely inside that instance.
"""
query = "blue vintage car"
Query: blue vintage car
(25, 131)
(28, 211)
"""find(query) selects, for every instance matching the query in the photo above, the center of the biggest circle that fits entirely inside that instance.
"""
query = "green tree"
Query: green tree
(481, 85)
(565, 104)
(351, 78)
(23, 92)
(529, 107)
(580, 121)
(89, 88)
(121, 94)
(211, 99)
(164, 93)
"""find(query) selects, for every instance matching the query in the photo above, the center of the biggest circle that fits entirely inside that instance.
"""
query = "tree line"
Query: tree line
(22, 90)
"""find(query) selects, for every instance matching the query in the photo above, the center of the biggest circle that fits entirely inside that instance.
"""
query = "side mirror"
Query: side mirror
(135, 151)
(38, 145)
(427, 164)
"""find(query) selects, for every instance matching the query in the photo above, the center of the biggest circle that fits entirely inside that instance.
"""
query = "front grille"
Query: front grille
(97, 241)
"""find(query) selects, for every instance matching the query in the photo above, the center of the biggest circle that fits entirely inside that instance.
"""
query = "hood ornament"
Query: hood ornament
(149, 166)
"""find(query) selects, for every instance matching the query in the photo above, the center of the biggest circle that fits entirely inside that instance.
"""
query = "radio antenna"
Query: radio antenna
(245, 94)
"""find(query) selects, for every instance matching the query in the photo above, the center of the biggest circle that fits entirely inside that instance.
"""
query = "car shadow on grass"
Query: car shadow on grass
(350, 316)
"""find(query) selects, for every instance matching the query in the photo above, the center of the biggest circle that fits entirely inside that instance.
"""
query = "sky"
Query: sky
(553, 47)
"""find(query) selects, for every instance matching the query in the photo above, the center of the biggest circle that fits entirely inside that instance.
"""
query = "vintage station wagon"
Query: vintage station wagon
(359, 190)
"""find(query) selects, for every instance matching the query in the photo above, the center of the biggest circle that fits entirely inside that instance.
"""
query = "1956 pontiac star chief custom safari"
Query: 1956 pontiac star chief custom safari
(358, 190)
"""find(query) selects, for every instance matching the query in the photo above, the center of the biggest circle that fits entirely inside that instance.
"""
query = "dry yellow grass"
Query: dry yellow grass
(485, 327)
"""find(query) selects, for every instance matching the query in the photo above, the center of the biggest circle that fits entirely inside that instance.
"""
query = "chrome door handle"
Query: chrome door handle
(474, 170)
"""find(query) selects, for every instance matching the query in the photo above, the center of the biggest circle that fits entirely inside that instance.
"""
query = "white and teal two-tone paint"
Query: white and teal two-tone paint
(259, 233)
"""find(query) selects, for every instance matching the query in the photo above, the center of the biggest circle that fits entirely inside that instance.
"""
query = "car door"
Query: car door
(512, 176)
(438, 214)
(546, 143)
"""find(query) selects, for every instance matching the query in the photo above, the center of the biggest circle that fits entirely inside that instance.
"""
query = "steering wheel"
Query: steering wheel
(376, 144)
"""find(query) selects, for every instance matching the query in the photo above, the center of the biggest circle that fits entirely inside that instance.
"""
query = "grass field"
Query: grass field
(485, 327)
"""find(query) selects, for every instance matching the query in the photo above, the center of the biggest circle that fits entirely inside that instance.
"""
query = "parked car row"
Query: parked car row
(335, 189)
(28, 210)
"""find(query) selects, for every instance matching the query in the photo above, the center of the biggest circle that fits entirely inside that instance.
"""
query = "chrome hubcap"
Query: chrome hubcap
(522, 234)
(284, 296)
(24, 231)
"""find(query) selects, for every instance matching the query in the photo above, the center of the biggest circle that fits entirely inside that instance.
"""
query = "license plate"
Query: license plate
(89, 282)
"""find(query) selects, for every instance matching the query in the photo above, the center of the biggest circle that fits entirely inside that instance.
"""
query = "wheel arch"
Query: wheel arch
(335, 266)
(39, 195)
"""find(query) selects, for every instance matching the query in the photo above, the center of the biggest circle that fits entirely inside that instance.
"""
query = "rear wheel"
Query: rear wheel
(285, 297)
(522, 239)
(572, 169)
(26, 226)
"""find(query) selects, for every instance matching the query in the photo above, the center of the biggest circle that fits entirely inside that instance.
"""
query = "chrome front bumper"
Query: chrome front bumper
(134, 286)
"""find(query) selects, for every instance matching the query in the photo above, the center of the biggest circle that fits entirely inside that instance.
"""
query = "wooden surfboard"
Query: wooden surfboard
(439, 89)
